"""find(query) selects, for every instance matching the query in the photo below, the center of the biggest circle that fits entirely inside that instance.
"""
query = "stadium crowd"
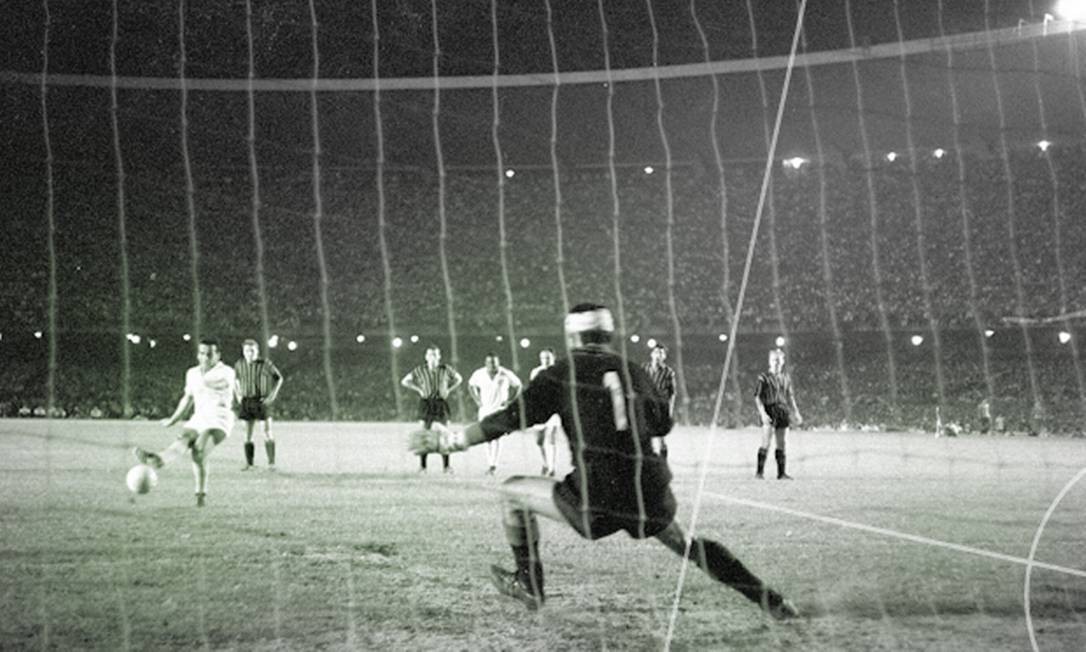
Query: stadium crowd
(993, 245)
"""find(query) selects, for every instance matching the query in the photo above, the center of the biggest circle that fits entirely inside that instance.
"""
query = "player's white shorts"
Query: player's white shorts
(205, 422)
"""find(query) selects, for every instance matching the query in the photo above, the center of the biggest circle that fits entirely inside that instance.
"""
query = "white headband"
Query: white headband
(592, 320)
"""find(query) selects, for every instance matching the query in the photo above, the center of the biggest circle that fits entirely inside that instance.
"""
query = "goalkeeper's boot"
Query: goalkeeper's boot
(510, 584)
(201, 499)
(777, 606)
(147, 457)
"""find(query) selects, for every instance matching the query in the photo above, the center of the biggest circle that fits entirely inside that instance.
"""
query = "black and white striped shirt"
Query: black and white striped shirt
(663, 379)
(256, 378)
(774, 388)
(436, 382)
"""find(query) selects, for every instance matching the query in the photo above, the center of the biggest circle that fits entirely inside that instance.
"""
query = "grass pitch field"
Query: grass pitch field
(885, 541)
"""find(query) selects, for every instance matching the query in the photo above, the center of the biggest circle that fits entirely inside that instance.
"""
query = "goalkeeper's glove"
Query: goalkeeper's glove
(438, 440)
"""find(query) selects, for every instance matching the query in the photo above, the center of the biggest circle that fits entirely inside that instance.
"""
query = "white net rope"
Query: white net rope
(929, 201)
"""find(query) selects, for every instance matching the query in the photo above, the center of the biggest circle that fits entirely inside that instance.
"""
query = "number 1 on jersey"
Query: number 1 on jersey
(618, 399)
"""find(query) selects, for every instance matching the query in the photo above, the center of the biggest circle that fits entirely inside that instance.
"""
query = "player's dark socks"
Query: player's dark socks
(201, 497)
(422, 462)
(250, 453)
(523, 536)
(269, 448)
(762, 453)
(779, 454)
(721, 565)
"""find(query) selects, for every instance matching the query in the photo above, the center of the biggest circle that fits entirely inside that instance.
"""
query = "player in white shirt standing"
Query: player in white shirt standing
(547, 434)
(210, 387)
(492, 387)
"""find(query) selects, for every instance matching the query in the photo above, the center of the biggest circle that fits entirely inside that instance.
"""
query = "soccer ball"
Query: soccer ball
(141, 479)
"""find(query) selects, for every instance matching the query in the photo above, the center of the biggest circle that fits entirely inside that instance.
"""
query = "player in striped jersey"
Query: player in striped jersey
(777, 407)
(547, 433)
(210, 389)
(663, 379)
(259, 382)
(610, 411)
(433, 382)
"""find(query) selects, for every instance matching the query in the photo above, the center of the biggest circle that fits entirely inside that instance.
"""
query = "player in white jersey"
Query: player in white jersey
(210, 390)
(547, 433)
(492, 387)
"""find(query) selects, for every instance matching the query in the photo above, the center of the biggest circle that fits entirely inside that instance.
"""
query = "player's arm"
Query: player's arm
(409, 382)
(278, 378)
(456, 380)
(476, 396)
(797, 418)
(758, 401)
(182, 407)
(515, 387)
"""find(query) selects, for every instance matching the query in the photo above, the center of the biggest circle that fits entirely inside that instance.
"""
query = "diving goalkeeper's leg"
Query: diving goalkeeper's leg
(523, 498)
(719, 563)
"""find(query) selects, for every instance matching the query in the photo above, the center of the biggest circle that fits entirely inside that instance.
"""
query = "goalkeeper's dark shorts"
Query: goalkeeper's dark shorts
(779, 416)
(433, 410)
(599, 520)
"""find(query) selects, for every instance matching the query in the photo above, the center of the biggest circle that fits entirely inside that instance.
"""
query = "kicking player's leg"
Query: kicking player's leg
(779, 454)
(720, 564)
(169, 454)
(202, 446)
(269, 443)
(523, 498)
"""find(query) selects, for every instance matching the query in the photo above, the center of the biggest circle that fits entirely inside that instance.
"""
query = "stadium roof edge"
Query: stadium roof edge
(969, 40)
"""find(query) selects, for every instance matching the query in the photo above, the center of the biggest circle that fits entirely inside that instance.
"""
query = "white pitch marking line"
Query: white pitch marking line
(898, 535)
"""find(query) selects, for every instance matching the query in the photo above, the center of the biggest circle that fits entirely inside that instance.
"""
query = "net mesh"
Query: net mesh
(353, 184)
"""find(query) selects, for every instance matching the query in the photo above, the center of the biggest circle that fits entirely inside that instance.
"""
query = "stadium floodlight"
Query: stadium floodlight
(1043, 145)
(1072, 9)
(292, 346)
(795, 163)
(133, 338)
(723, 337)
(152, 343)
(779, 341)
(360, 338)
(510, 173)
(37, 334)
(649, 169)
(635, 338)
(188, 337)
(891, 156)
(1065, 337)
(273, 341)
(917, 340)
(414, 339)
(651, 343)
(397, 342)
(525, 342)
(939, 152)
(498, 338)
(988, 332)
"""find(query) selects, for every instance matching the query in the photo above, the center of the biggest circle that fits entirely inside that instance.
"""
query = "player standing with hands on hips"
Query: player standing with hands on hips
(259, 382)
(610, 411)
(433, 382)
(492, 387)
(777, 408)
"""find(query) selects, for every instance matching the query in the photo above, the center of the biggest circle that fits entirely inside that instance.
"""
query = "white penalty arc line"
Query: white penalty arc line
(899, 535)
